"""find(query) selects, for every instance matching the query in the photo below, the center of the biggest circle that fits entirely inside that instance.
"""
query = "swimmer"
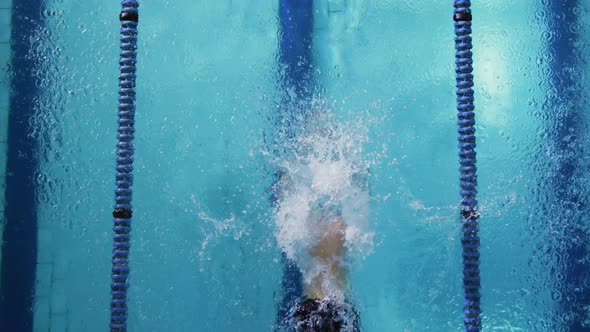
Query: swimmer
(324, 307)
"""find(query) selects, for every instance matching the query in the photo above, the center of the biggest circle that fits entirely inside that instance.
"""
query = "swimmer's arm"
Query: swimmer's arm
(332, 243)
(329, 251)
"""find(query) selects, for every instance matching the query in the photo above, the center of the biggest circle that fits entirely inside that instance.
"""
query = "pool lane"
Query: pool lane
(566, 110)
(19, 252)
(295, 61)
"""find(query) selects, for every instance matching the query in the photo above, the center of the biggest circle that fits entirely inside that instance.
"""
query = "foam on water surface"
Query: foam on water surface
(324, 181)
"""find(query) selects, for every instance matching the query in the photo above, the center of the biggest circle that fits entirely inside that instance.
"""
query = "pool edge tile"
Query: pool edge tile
(41, 321)
(59, 323)
(6, 4)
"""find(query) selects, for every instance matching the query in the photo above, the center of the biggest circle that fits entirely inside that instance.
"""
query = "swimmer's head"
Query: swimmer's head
(325, 316)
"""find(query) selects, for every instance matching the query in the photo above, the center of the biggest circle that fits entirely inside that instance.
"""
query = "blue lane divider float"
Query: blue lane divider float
(124, 178)
(19, 239)
(566, 110)
(295, 60)
(467, 160)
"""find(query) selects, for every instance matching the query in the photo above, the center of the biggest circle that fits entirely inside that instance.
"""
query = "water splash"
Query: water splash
(325, 180)
(213, 229)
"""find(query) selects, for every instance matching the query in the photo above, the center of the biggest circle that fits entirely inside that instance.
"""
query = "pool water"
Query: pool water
(206, 242)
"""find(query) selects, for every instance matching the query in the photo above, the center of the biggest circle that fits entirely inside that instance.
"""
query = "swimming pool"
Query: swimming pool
(204, 253)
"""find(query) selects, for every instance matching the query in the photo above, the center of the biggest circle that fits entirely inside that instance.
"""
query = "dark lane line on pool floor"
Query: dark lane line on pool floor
(566, 113)
(295, 56)
(19, 251)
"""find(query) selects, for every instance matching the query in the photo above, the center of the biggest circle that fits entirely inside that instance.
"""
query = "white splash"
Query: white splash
(326, 178)
(214, 229)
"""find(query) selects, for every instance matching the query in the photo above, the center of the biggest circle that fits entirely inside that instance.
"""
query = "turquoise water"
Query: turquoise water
(205, 256)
